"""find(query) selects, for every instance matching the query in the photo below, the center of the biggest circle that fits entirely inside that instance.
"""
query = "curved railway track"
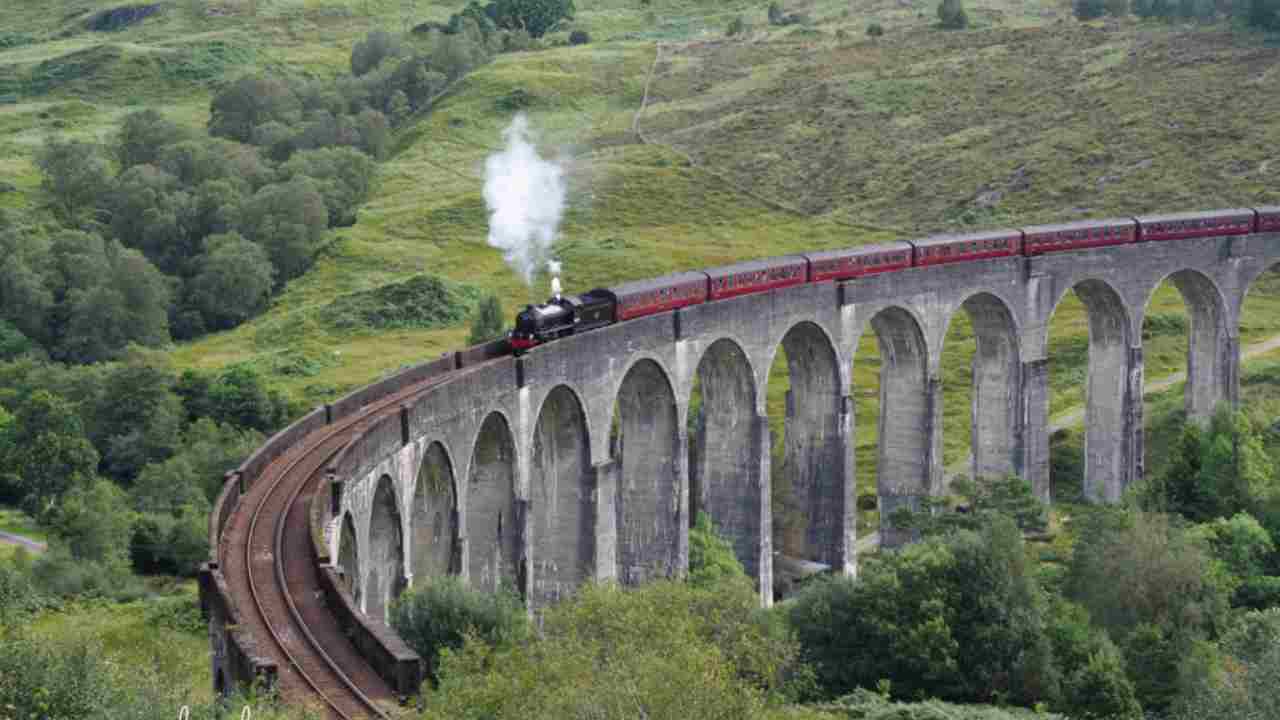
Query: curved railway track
(267, 557)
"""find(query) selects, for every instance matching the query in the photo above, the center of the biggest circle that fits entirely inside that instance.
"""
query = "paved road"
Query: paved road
(1075, 416)
(28, 543)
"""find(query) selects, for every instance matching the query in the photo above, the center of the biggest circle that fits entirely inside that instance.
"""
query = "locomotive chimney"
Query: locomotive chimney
(554, 267)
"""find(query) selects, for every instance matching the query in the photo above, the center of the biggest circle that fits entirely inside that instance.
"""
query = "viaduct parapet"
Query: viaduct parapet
(585, 459)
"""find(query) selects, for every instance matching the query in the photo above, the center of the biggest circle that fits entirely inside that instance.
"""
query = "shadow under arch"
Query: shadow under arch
(811, 502)
(433, 515)
(1107, 435)
(386, 551)
(646, 448)
(1210, 357)
(904, 456)
(562, 519)
(349, 558)
(995, 387)
(492, 532)
(725, 452)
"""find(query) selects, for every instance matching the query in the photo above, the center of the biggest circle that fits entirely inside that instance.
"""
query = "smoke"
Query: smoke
(526, 198)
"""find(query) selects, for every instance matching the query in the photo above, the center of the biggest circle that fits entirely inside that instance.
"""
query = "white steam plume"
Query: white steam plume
(526, 197)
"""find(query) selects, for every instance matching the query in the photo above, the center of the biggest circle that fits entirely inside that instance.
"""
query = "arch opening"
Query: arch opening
(433, 516)
(386, 552)
(349, 558)
(981, 389)
(1089, 463)
(645, 445)
(807, 484)
(492, 533)
(563, 523)
(724, 457)
(904, 448)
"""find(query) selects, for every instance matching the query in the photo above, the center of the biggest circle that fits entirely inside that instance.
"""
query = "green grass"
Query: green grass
(148, 641)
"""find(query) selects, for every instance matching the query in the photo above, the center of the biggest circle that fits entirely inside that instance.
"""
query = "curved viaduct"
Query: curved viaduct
(584, 460)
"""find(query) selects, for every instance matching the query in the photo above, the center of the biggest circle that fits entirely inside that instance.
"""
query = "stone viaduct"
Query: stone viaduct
(586, 458)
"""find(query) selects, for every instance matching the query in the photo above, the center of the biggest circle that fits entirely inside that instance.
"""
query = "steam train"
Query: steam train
(569, 314)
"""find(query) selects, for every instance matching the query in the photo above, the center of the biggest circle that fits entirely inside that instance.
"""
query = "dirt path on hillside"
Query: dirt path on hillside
(1075, 416)
(20, 541)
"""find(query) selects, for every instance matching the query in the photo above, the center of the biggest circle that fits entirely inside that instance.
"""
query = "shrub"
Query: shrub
(875, 29)
(444, 613)
(538, 17)
(368, 54)
(1258, 593)
(737, 26)
(422, 301)
(579, 37)
(952, 15)
(487, 322)
(711, 558)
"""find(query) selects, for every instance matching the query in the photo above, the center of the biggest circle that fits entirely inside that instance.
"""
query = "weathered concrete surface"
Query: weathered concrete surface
(588, 457)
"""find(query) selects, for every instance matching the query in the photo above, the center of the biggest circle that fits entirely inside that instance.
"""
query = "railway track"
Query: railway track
(267, 557)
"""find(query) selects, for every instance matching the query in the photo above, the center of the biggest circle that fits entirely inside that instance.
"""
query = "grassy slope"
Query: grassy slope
(793, 138)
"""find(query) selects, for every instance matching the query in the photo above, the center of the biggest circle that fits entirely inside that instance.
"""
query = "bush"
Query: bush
(875, 29)
(487, 322)
(952, 15)
(422, 301)
(368, 53)
(444, 613)
(1258, 593)
(711, 558)
(663, 651)
(538, 17)
(1088, 9)
(958, 618)
(737, 26)
(579, 37)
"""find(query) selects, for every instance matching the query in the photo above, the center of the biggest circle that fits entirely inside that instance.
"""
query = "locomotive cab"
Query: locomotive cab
(558, 317)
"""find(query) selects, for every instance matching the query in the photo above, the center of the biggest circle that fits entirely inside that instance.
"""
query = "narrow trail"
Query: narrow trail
(20, 541)
(1075, 416)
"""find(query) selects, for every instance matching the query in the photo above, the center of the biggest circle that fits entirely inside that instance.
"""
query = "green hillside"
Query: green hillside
(685, 148)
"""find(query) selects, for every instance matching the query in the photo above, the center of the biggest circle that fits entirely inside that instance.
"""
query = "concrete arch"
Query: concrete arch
(1209, 366)
(728, 478)
(349, 558)
(906, 456)
(647, 451)
(562, 523)
(1108, 432)
(433, 515)
(491, 528)
(809, 491)
(386, 551)
(996, 399)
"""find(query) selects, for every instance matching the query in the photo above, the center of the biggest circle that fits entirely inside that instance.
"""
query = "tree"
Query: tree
(74, 174)
(1264, 14)
(150, 212)
(94, 521)
(958, 617)
(25, 299)
(142, 135)
(375, 132)
(1117, 8)
(343, 176)
(1241, 681)
(287, 219)
(1088, 9)
(193, 476)
(46, 452)
(117, 297)
(952, 15)
(237, 396)
(537, 17)
(443, 612)
(487, 323)
(136, 418)
(1100, 689)
(1220, 470)
(368, 54)
(249, 102)
(711, 558)
(233, 283)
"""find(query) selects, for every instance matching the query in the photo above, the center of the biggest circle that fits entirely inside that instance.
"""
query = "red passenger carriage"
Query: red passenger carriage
(858, 262)
(1181, 226)
(648, 297)
(757, 276)
(941, 249)
(1042, 239)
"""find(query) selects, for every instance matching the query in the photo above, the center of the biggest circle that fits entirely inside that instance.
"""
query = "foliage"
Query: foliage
(1219, 471)
(956, 617)
(376, 47)
(1010, 496)
(867, 705)
(193, 476)
(1242, 545)
(487, 322)
(343, 176)
(875, 29)
(711, 558)
(737, 26)
(1242, 682)
(74, 173)
(664, 651)
(1088, 9)
(237, 396)
(443, 613)
(1258, 593)
(134, 418)
(1100, 689)
(1152, 587)
(287, 219)
(44, 453)
(94, 522)
(170, 544)
(142, 135)
(249, 102)
(422, 301)
(234, 282)
(952, 15)
(537, 17)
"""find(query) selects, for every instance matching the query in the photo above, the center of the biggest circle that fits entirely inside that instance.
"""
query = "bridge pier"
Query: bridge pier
(760, 485)
(1035, 427)
(605, 495)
